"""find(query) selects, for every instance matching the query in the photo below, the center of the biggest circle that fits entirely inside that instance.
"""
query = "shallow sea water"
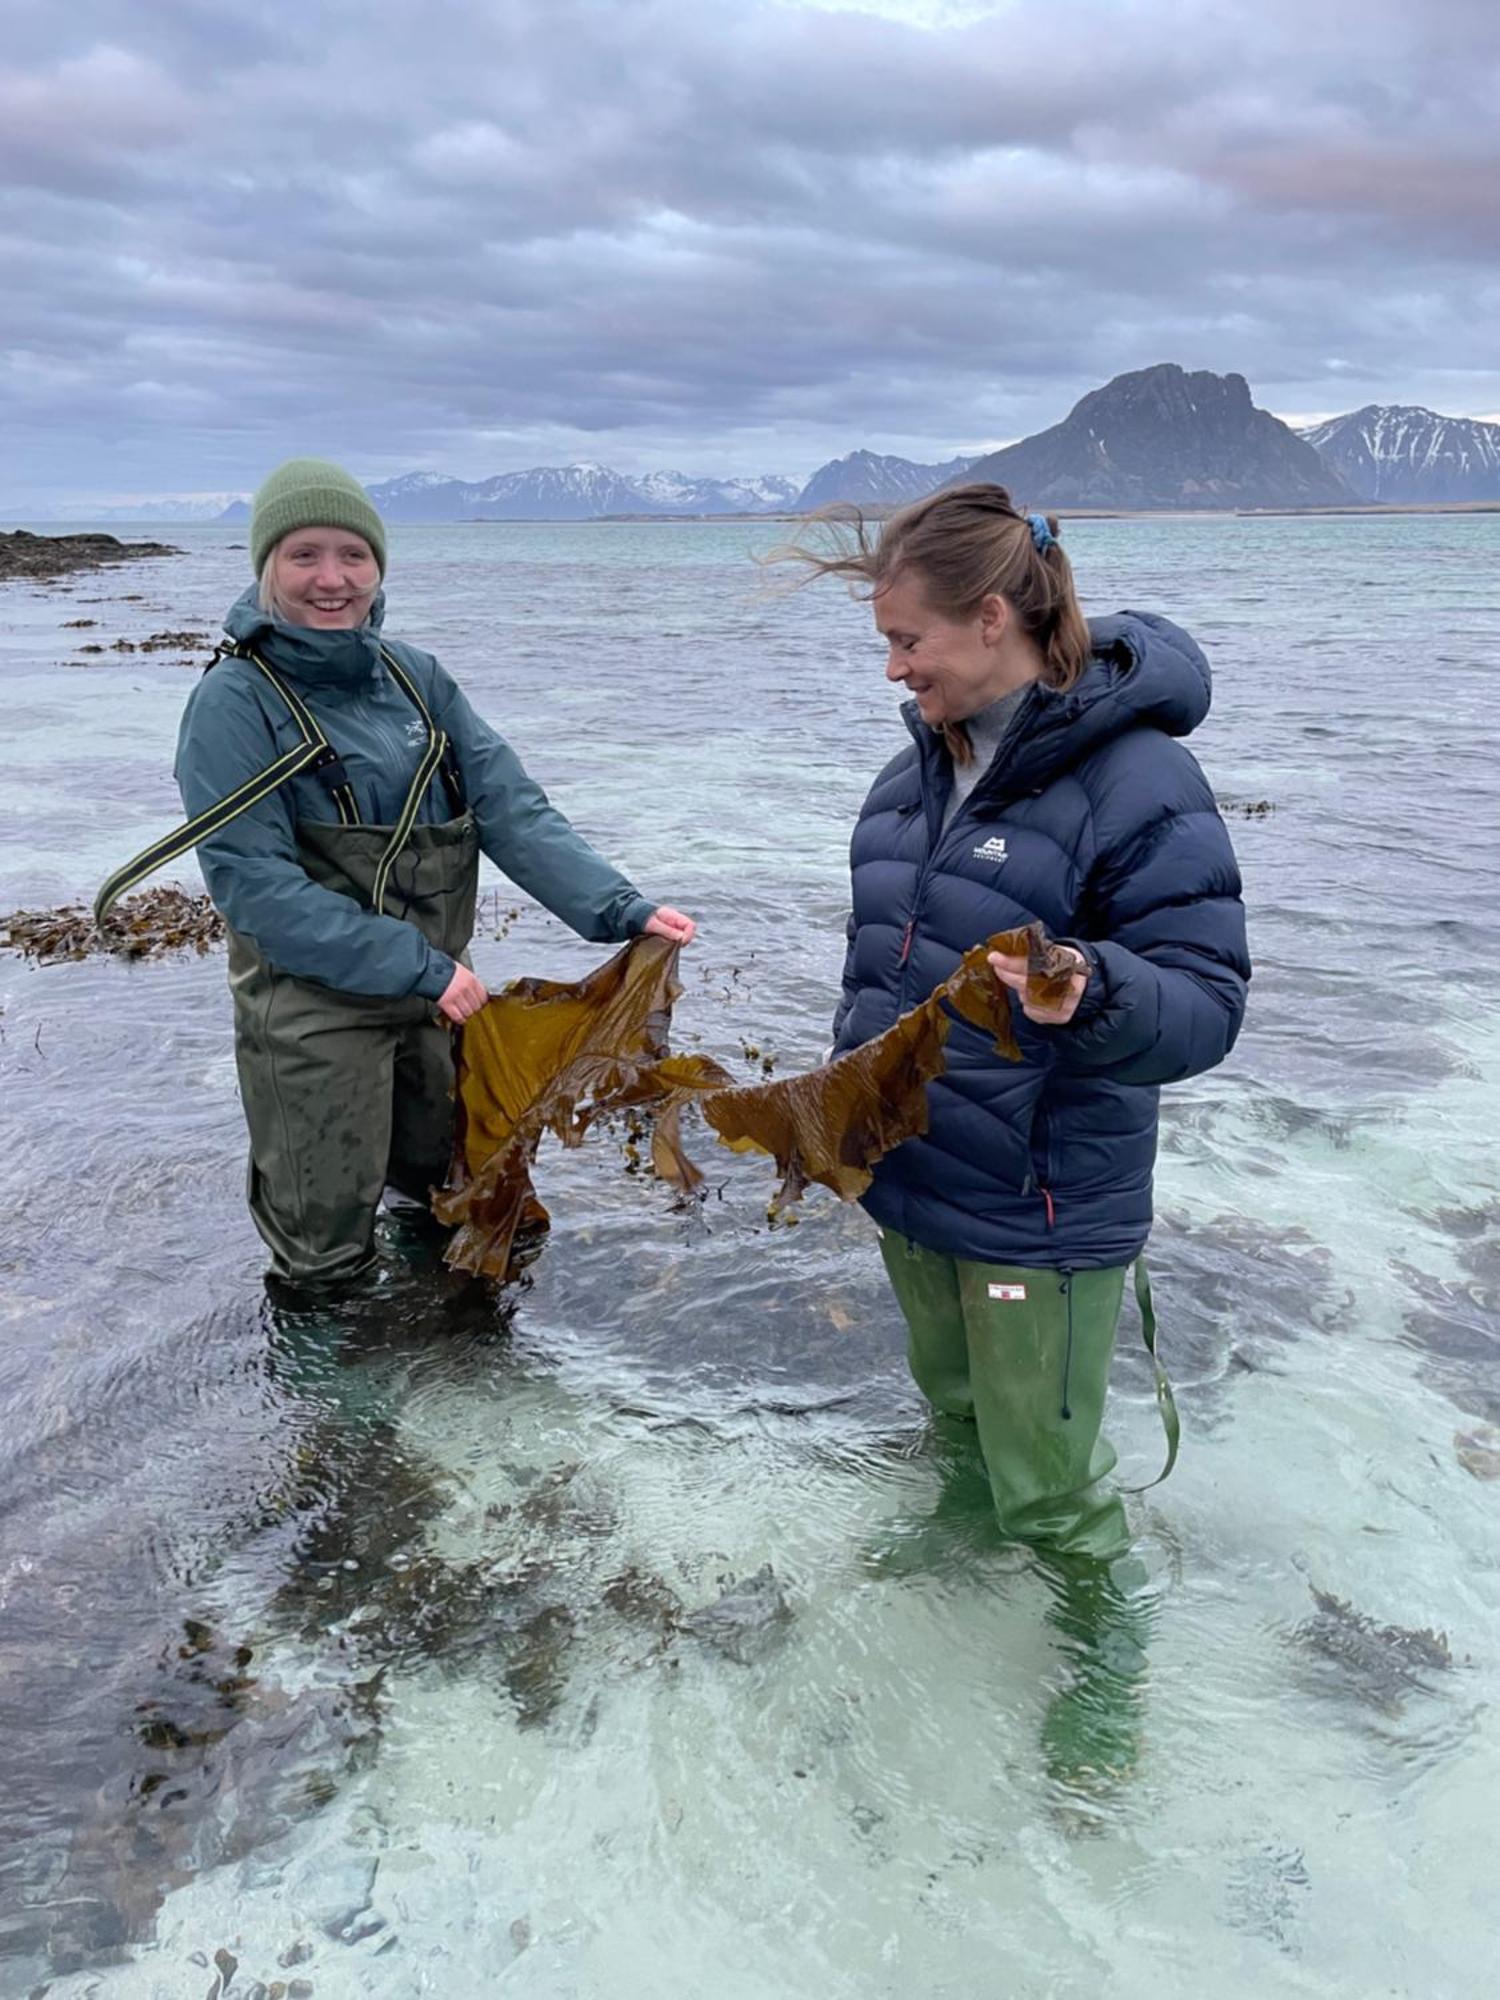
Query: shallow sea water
(378, 1668)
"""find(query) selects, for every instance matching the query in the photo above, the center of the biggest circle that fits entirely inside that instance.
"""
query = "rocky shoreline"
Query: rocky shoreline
(40, 557)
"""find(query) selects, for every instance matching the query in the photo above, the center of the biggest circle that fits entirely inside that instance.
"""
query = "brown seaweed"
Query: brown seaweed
(148, 925)
(1050, 969)
(834, 1123)
(548, 1056)
(1380, 1665)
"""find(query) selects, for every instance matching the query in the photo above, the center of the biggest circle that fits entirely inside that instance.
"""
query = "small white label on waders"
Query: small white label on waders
(1008, 1292)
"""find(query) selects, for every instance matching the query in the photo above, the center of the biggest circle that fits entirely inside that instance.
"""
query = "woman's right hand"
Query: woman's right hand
(462, 996)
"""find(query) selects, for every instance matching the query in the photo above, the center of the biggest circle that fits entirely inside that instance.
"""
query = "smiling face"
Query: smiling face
(952, 667)
(324, 577)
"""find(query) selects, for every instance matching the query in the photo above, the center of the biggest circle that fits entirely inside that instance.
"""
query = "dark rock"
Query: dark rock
(43, 557)
(746, 1620)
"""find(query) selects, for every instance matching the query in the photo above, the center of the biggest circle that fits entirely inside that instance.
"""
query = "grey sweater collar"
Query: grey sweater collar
(985, 731)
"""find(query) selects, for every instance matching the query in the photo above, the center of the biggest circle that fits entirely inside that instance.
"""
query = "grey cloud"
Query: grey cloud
(689, 230)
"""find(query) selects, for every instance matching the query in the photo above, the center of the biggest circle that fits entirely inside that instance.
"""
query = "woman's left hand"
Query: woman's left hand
(672, 924)
(1010, 970)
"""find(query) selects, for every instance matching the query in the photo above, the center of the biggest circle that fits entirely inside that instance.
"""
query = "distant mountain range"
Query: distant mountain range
(567, 493)
(1396, 453)
(1154, 438)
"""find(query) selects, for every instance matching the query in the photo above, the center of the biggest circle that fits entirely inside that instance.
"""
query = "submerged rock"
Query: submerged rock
(1478, 1451)
(747, 1619)
(1455, 1324)
(218, 1763)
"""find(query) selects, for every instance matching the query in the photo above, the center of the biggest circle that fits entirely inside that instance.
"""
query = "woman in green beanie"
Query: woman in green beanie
(341, 789)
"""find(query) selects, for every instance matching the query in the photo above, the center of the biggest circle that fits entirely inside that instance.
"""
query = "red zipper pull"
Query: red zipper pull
(911, 925)
(1046, 1194)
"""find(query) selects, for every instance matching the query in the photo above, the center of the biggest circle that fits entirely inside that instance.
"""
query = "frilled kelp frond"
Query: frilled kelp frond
(547, 1056)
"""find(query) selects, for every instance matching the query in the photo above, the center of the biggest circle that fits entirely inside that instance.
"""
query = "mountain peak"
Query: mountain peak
(866, 478)
(1399, 452)
(1165, 436)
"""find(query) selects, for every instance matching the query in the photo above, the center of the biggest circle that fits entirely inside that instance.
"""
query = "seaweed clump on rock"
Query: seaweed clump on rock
(152, 924)
(1379, 1665)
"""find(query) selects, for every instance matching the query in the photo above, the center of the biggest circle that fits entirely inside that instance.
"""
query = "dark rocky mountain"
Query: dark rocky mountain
(1162, 437)
(1394, 453)
(868, 478)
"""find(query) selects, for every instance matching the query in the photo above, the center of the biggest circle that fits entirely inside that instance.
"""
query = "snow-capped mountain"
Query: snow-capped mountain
(146, 507)
(1395, 452)
(570, 493)
(869, 478)
(681, 493)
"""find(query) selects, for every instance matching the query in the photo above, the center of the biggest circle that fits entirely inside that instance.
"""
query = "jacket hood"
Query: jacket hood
(317, 659)
(1145, 671)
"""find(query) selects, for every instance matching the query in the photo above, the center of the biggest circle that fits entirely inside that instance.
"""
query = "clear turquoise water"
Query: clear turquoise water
(546, 1799)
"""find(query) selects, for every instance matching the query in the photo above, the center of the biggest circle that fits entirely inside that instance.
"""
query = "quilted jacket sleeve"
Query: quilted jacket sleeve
(1163, 922)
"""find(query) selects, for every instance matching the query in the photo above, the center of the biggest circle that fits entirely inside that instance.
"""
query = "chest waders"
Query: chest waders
(344, 1093)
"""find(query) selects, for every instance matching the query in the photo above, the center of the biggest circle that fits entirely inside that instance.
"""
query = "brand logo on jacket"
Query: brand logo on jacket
(416, 732)
(992, 849)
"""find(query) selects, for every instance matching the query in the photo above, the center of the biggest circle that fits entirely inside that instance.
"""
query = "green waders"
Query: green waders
(346, 1094)
(1024, 1355)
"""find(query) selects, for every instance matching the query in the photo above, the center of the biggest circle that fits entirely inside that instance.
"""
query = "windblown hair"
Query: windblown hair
(966, 544)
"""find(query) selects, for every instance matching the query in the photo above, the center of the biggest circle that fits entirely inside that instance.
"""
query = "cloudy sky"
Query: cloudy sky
(717, 235)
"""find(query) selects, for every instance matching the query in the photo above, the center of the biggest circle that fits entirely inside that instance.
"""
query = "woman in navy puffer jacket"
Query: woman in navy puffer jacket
(1042, 784)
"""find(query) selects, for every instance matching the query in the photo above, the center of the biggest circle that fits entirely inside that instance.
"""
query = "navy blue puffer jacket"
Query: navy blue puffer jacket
(1092, 820)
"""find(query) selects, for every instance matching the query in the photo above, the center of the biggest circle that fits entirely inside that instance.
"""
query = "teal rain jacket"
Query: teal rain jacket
(235, 724)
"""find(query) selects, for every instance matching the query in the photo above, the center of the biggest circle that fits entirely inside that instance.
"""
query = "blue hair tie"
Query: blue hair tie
(1042, 537)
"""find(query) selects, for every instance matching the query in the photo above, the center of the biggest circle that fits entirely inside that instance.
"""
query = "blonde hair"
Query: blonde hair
(966, 543)
(265, 588)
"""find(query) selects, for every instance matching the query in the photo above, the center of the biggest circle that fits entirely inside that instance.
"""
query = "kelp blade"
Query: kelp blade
(833, 1124)
(549, 1055)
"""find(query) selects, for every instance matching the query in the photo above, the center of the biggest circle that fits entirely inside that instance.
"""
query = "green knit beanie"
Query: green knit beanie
(311, 493)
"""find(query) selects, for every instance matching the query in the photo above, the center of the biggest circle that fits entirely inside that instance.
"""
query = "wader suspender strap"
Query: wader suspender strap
(436, 756)
(330, 768)
(1165, 1401)
(314, 753)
